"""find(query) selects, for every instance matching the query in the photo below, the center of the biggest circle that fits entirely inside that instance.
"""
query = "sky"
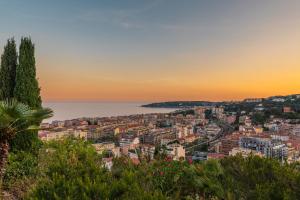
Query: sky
(159, 50)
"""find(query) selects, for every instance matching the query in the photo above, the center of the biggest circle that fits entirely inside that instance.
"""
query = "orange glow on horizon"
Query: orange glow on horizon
(249, 72)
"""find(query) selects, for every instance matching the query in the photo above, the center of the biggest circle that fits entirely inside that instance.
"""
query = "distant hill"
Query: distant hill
(190, 104)
(180, 104)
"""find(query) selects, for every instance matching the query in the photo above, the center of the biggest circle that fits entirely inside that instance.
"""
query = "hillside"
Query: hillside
(287, 100)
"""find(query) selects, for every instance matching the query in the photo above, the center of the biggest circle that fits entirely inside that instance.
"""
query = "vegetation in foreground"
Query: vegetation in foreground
(16, 118)
(71, 169)
(20, 111)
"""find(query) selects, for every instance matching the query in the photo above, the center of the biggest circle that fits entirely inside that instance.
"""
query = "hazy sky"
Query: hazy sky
(156, 50)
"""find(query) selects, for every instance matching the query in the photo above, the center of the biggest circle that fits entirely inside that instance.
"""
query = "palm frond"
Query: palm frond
(20, 117)
(41, 114)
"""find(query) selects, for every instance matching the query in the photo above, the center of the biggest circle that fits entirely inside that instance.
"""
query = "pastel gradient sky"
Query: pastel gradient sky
(159, 50)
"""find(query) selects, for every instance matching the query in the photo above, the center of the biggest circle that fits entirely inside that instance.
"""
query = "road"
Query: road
(225, 130)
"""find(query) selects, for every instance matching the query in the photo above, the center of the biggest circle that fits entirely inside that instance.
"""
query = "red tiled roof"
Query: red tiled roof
(215, 155)
(135, 161)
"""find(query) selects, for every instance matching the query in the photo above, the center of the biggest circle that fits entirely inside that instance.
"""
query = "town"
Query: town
(195, 134)
(150, 100)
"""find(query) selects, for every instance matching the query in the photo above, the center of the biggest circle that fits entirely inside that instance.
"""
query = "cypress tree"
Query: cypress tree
(27, 89)
(8, 70)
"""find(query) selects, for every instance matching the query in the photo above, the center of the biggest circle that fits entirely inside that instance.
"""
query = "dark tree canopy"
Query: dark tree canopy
(8, 70)
(27, 89)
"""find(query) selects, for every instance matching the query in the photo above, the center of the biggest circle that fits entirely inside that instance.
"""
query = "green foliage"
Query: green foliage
(26, 141)
(19, 81)
(179, 179)
(17, 117)
(260, 178)
(20, 173)
(259, 118)
(71, 169)
(21, 165)
(208, 114)
(179, 104)
(132, 182)
(8, 70)
(184, 112)
(27, 89)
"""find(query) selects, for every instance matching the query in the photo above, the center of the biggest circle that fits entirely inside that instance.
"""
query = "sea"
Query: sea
(74, 110)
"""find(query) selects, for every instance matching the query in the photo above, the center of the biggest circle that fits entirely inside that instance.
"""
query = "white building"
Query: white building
(57, 135)
(244, 152)
(176, 151)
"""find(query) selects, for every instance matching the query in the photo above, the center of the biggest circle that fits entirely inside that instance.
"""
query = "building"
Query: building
(216, 156)
(184, 131)
(274, 127)
(244, 152)
(199, 156)
(200, 112)
(258, 129)
(212, 130)
(253, 100)
(108, 163)
(61, 134)
(148, 150)
(191, 138)
(107, 146)
(231, 119)
(268, 147)
(131, 143)
(228, 143)
(278, 100)
(58, 124)
(215, 110)
(259, 107)
(296, 130)
(45, 126)
(287, 109)
(244, 119)
(246, 129)
(176, 151)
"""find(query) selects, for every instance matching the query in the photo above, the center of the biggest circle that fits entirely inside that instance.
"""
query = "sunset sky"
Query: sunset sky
(159, 50)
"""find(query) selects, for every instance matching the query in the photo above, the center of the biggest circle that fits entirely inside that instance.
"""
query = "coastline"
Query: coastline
(76, 110)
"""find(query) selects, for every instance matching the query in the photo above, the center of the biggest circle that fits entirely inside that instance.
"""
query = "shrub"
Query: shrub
(20, 172)
(71, 169)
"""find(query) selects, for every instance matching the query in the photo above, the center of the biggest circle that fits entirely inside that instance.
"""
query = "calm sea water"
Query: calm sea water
(72, 110)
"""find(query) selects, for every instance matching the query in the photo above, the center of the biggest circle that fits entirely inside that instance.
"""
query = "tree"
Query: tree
(8, 70)
(72, 169)
(27, 90)
(14, 118)
(259, 118)
(260, 178)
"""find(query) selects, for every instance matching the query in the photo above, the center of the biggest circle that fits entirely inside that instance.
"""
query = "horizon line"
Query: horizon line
(152, 101)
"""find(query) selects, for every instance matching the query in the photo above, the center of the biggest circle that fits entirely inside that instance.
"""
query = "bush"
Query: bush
(71, 169)
(20, 172)
(26, 141)
(260, 178)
